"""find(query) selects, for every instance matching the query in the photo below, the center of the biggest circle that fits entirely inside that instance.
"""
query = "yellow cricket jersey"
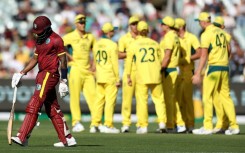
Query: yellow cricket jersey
(81, 47)
(146, 53)
(123, 44)
(171, 41)
(188, 46)
(214, 39)
(105, 53)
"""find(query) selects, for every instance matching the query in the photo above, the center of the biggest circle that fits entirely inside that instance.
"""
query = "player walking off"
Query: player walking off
(49, 52)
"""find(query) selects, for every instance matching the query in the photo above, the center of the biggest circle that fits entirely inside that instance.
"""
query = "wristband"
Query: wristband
(64, 73)
(163, 69)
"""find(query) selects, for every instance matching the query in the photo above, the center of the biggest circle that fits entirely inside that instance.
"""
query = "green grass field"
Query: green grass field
(44, 136)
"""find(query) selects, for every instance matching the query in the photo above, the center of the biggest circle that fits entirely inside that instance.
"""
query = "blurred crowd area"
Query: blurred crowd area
(16, 17)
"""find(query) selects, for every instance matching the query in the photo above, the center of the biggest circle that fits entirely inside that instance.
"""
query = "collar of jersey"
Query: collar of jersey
(209, 27)
(84, 36)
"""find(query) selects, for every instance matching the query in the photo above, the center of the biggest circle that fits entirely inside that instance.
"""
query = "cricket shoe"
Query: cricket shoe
(17, 141)
(202, 131)
(78, 127)
(95, 129)
(218, 131)
(181, 129)
(232, 131)
(125, 129)
(141, 130)
(71, 142)
(107, 129)
(162, 128)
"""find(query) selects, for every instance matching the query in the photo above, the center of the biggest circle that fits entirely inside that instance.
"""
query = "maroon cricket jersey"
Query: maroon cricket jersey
(48, 53)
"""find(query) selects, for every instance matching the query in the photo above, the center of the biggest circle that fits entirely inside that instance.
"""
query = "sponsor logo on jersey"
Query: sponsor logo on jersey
(38, 87)
(47, 41)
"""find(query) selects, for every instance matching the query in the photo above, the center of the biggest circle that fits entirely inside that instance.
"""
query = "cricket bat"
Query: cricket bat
(11, 118)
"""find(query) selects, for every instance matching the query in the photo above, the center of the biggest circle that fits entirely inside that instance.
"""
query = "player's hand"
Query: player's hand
(63, 88)
(16, 79)
(196, 79)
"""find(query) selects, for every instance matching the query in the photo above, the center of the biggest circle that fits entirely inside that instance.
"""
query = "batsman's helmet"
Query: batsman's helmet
(42, 28)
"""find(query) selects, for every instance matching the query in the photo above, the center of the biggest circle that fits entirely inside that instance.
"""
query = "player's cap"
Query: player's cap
(80, 18)
(204, 16)
(107, 27)
(133, 19)
(169, 21)
(40, 24)
(219, 21)
(179, 22)
(142, 25)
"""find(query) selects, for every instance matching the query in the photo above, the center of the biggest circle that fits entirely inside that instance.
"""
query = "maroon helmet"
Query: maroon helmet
(40, 24)
(41, 29)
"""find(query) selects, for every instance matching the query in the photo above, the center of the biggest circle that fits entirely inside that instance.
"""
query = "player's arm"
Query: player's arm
(92, 63)
(166, 59)
(63, 65)
(32, 63)
(115, 67)
(196, 46)
(196, 79)
(69, 57)
(197, 55)
(129, 66)
(121, 47)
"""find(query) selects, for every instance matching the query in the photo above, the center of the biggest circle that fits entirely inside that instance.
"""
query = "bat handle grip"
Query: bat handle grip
(15, 93)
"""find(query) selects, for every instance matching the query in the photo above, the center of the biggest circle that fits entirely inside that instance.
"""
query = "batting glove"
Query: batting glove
(16, 79)
(63, 88)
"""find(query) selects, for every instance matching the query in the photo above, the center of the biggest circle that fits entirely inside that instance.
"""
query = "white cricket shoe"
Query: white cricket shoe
(141, 130)
(110, 130)
(162, 127)
(71, 142)
(17, 141)
(202, 131)
(78, 127)
(125, 129)
(232, 131)
(181, 128)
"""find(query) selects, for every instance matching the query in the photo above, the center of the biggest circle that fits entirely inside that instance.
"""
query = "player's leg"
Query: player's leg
(220, 113)
(169, 98)
(127, 98)
(210, 86)
(228, 104)
(187, 92)
(110, 98)
(33, 107)
(75, 86)
(98, 107)
(53, 111)
(89, 92)
(160, 107)
(141, 93)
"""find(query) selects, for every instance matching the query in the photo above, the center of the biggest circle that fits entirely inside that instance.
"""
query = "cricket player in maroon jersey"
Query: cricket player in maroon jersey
(49, 52)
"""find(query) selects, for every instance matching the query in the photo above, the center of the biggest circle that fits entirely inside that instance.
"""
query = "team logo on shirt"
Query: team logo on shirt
(47, 41)
(38, 87)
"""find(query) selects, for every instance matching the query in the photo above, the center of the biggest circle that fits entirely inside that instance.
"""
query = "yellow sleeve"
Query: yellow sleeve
(121, 45)
(195, 42)
(93, 40)
(168, 43)
(205, 41)
(114, 61)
